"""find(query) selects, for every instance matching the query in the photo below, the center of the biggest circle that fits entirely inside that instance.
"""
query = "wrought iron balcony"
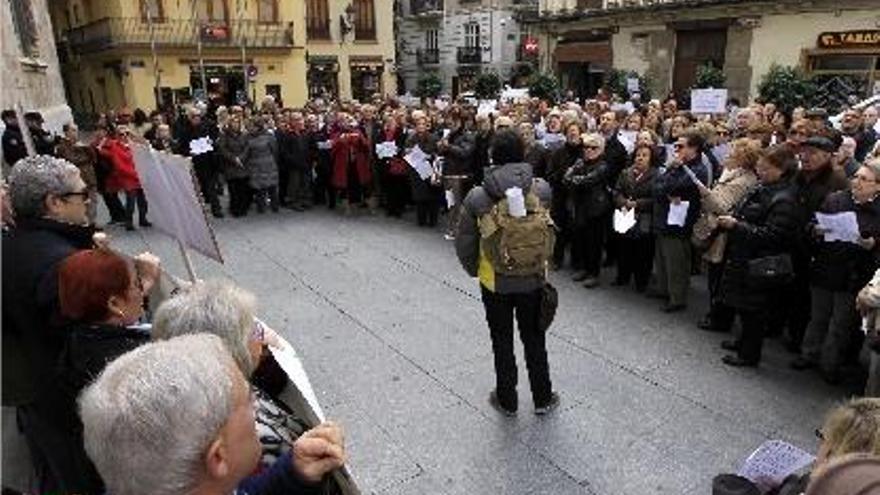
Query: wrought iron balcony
(428, 56)
(117, 32)
(470, 55)
(426, 8)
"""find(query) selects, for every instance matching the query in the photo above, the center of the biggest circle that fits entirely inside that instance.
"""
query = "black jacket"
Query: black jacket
(13, 145)
(459, 156)
(588, 184)
(767, 223)
(560, 160)
(44, 142)
(31, 340)
(87, 350)
(615, 156)
(293, 150)
(675, 182)
(844, 266)
(190, 133)
(639, 188)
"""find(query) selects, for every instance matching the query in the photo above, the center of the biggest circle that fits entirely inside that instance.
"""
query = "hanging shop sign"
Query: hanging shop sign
(863, 38)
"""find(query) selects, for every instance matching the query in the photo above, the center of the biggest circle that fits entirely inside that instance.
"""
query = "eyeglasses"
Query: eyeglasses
(83, 195)
(819, 434)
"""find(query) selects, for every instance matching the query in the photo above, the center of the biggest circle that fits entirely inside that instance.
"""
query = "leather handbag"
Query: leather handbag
(549, 303)
(771, 272)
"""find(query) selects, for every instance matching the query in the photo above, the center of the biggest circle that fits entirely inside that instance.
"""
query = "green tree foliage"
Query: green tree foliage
(544, 86)
(787, 87)
(615, 82)
(429, 86)
(709, 76)
(487, 86)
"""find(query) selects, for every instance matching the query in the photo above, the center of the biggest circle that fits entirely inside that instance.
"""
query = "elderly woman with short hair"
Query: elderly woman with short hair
(223, 309)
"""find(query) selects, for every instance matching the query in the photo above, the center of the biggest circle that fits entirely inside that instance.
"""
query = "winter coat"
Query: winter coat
(394, 166)
(352, 147)
(728, 191)
(844, 266)
(261, 159)
(561, 159)
(232, 147)
(638, 187)
(478, 202)
(84, 157)
(675, 182)
(537, 156)
(189, 133)
(44, 142)
(459, 156)
(767, 222)
(423, 189)
(812, 191)
(87, 350)
(293, 150)
(31, 340)
(615, 156)
(122, 176)
(589, 193)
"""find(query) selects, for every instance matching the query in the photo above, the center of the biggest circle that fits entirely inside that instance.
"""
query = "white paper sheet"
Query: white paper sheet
(200, 146)
(325, 145)
(450, 198)
(628, 140)
(516, 202)
(677, 214)
(839, 226)
(552, 140)
(624, 220)
(290, 362)
(386, 149)
(772, 462)
(418, 160)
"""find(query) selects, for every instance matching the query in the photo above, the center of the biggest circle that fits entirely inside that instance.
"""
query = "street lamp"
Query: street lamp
(346, 20)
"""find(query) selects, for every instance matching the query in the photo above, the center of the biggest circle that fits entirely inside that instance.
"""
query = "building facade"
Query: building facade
(227, 50)
(456, 40)
(31, 75)
(666, 40)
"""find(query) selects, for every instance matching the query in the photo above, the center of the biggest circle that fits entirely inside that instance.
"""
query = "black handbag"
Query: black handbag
(549, 303)
(771, 272)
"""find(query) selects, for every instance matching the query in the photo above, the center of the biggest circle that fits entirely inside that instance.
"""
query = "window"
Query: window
(317, 20)
(432, 37)
(76, 14)
(268, 11)
(211, 10)
(154, 8)
(25, 27)
(364, 20)
(472, 35)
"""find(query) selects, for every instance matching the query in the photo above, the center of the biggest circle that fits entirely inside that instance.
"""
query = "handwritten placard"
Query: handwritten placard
(708, 100)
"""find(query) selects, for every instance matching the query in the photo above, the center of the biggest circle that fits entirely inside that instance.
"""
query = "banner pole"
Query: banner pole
(187, 261)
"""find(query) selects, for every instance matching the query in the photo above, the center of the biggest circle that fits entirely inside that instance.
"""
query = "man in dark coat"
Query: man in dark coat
(673, 251)
(51, 206)
(294, 172)
(205, 159)
(44, 142)
(13, 143)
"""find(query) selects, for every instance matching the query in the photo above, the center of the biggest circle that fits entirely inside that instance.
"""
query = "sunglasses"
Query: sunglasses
(84, 195)
(819, 434)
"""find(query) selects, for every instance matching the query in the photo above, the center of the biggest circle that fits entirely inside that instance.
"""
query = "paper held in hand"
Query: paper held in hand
(386, 150)
(842, 227)
(677, 214)
(516, 202)
(772, 462)
(418, 160)
(200, 146)
(624, 220)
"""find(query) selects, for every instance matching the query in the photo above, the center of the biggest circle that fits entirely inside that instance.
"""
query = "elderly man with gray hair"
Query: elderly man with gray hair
(174, 418)
(50, 203)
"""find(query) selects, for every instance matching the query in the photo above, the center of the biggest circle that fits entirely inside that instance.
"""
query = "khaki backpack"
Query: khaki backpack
(518, 246)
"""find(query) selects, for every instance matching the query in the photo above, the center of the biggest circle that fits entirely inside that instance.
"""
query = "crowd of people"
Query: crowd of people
(654, 193)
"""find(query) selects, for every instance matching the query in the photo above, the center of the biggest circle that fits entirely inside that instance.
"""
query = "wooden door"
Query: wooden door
(693, 49)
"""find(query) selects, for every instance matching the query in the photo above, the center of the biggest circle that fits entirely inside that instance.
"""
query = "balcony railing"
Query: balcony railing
(428, 56)
(470, 55)
(426, 7)
(115, 32)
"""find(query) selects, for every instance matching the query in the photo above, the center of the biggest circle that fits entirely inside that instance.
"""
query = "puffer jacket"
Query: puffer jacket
(479, 202)
(844, 266)
(261, 160)
(588, 185)
(767, 224)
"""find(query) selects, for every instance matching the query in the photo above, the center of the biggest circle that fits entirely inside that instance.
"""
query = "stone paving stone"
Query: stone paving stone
(392, 333)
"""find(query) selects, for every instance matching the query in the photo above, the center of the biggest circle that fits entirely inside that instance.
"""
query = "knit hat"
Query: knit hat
(857, 474)
(731, 484)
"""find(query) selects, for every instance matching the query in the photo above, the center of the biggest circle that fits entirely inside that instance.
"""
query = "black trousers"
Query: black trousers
(132, 198)
(500, 312)
(588, 240)
(427, 212)
(635, 259)
(396, 190)
(561, 218)
(207, 177)
(114, 206)
(751, 341)
(283, 182)
(721, 316)
(267, 196)
(239, 196)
